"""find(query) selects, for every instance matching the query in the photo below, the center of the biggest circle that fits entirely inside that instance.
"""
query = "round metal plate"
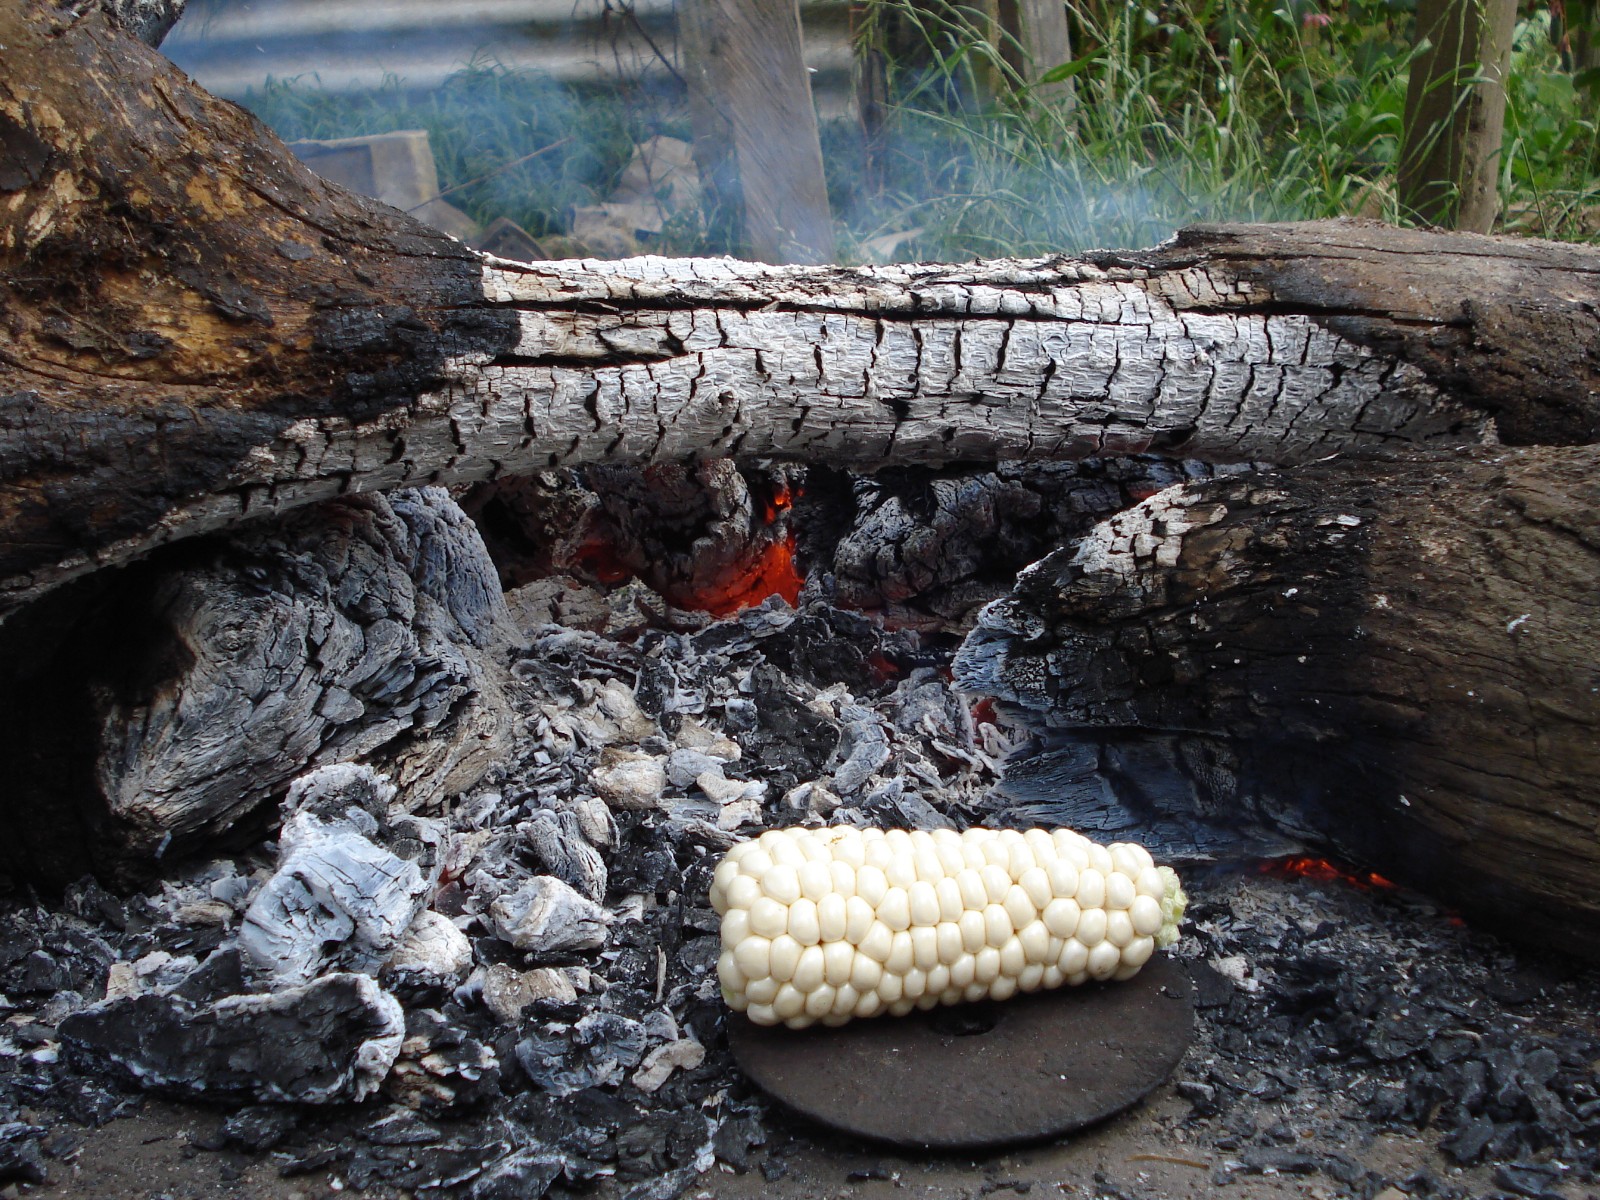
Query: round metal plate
(980, 1076)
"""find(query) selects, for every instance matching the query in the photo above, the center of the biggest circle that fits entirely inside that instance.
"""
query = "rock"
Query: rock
(338, 900)
(433, 956)
(328, 1042)
(630, 780)
(507, 991)
(545, 916)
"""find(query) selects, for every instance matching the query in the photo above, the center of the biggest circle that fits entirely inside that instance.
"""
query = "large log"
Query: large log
(1393, 655)
(197, 330)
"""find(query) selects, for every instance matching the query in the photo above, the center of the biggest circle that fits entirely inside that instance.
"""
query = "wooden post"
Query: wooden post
(755, 128)
(1043, 42)
(1455, 113)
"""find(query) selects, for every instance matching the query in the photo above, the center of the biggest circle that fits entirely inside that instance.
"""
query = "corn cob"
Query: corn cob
(835, 923)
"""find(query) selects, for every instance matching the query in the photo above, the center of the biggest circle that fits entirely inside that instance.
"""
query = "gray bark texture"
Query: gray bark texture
(230, 336)
(151, 711)
(1394, 657)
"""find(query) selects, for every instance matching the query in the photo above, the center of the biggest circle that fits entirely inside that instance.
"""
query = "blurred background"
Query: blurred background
(560, 128)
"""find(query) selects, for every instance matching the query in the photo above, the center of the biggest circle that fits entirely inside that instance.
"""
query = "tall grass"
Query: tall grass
(1207, 110)
(1182, 111)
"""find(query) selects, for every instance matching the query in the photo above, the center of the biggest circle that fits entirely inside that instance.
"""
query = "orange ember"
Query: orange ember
(782, 499)
(883, 667)
(600, 561)
(773, 574)
(1303, 866)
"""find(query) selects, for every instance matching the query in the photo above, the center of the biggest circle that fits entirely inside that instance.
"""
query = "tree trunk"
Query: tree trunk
(1455, 113)
(1395, 656)
(756, 136)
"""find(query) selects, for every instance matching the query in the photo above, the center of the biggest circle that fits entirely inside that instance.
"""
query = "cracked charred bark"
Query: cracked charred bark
(199, 331)
(195, 331)
(1396, 656)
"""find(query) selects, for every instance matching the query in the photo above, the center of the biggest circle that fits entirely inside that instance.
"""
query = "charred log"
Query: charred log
(228, 336)
(1394, 656)
(163, 708)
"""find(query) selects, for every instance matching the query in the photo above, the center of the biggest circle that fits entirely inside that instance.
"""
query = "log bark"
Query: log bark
(198, 331)
(156, 712)
(1395, 656)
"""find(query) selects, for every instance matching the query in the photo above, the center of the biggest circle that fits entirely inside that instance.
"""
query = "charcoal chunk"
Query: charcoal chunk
(20, 1154)
(331, 1041)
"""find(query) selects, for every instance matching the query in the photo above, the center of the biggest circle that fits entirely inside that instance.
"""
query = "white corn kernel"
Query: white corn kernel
(835, 924)
(782, 883)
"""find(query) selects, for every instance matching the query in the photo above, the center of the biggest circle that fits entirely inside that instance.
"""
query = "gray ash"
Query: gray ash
(537, 1061)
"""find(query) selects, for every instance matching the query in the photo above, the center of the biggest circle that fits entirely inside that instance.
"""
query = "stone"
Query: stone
(976, 1077)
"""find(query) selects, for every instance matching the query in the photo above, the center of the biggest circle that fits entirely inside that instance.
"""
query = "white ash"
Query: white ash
(338, 900)
(545, 916)
(434, 955)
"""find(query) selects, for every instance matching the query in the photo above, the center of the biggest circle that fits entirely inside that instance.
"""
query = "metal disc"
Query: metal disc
(984, 1075)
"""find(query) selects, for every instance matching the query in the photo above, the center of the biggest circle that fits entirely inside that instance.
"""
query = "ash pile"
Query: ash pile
(522, 993)
(516, 995)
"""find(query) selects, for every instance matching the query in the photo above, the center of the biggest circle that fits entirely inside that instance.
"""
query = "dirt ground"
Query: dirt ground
(1141, 1155)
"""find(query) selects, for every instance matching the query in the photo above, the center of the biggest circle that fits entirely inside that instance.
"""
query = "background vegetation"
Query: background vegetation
(1180, 111)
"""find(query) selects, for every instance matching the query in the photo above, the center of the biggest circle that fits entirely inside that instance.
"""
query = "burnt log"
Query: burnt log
(1395, 657)
(198, 331)
(159, 710)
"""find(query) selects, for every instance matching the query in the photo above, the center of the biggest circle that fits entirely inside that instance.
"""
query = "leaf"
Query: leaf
(1068, 69)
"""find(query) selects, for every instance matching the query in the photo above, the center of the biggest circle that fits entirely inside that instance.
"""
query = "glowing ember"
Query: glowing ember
(782, 499)
(773, 574)
(1303, 866)
(601, 562)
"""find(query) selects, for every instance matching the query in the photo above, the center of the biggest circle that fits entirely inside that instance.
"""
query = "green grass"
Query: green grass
(1186, 110)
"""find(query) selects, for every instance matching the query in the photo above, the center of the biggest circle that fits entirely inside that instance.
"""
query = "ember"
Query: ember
(772, 574)
(1305, 866)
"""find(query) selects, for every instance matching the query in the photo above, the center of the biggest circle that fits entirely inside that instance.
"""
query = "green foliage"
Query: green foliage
(1171, 112)
(1185, 110)
(572, 146)
(1550, 165)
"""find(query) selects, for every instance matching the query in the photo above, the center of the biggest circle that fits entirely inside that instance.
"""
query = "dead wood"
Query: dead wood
(1395, 655)
(198, 331)
(151, 712)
